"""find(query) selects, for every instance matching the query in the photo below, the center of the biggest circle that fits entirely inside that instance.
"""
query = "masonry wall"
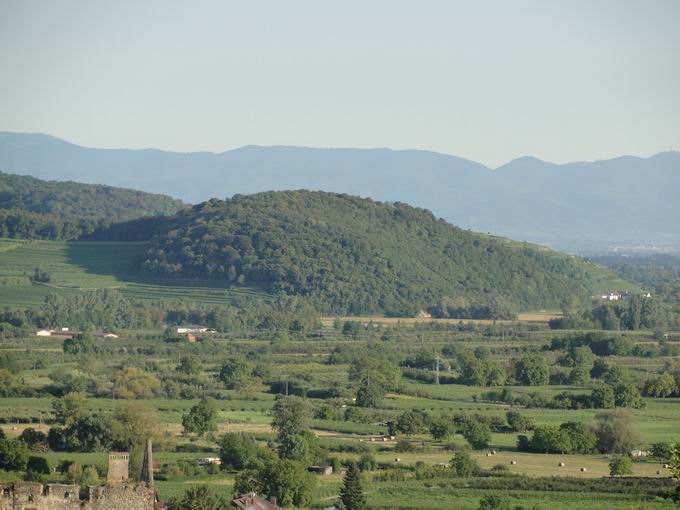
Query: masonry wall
(123, 496)
(30, 496)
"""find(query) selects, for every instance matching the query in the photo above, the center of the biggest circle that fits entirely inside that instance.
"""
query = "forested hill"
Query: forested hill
(354, 255)
(35, 209)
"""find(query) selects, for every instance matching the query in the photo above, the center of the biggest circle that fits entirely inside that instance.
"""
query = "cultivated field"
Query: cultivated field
(82, 266)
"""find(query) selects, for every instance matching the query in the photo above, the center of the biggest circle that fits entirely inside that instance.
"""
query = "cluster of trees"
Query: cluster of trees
(477, 368)
(611, 433)
(475, 428)
(301, 243)
(634, 313)
(600, 344)
(618, 393)
(31, 208)
(108, 309)
(666, 384)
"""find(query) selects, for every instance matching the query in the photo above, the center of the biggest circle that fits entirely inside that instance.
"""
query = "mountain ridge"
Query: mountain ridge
(625, 201)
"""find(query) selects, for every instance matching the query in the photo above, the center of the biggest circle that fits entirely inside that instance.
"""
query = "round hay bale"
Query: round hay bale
(665, 466)
(658, 472)
(397, 459)
(488, 455)
(513, 462)
(583, 470)
(561, 464)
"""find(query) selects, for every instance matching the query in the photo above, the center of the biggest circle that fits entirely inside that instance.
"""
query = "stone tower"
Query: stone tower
(119, 468)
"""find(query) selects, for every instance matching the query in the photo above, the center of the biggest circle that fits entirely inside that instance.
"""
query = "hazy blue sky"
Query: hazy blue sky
(486, 80)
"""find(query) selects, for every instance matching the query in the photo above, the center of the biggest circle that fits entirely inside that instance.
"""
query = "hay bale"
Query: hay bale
(513, 462)
(583, 470)
(561, 464)
(397, 459)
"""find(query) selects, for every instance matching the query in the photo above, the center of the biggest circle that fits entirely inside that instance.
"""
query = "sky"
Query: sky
(487, 80)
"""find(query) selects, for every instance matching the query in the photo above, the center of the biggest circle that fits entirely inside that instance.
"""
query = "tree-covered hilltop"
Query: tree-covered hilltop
(31, 208)
(354, 255)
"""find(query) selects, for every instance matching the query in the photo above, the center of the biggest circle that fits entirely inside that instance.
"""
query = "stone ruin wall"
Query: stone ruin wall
(31, 496)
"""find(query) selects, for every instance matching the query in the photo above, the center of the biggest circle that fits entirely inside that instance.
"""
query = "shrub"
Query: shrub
(477, 434)
(464, 465)
(621, 465)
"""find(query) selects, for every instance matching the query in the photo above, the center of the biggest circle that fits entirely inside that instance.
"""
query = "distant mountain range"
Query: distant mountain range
(625, 202)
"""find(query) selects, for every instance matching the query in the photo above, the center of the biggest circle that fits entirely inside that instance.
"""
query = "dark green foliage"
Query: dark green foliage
(367, 462)
(632, 314)
(661, 386)
(494, 502)
(351, 328)
(581, 437)
(478, 369)
(412, 422)
(237, 451)
(103, 308)
(375, 369)
(621, 465)
(286, 480)
(532, 370)
(464, 465)
(33, 438)
(627, 395)
(477, 433)
(201, 418)
(357, 256)
(662, 451)
(189, 365)
(302, 447)
(34, 209)
(569, 437)
(352, 493)
(602, 397)
(518, 423)
(290, 415)
(13, 455)
(235, 372)
(549, 439)
(369, 394)
(442, 428)
(87, 433)
(38, 465)
(40, 276)
(198, 498)
(614, 432)
(82, 343)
